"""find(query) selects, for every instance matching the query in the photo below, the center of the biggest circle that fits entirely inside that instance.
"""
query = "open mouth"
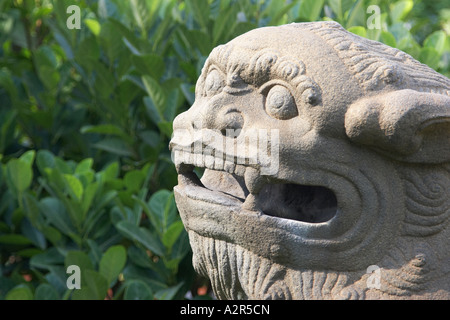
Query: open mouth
(318, 210)
(268, 196)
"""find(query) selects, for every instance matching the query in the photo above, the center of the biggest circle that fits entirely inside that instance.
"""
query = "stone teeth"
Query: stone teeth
(240, 170)
(250, 203)
(209, 162)
(229, 167)
(176, 157)
(199, 160)
(253, 180)
(218, 164)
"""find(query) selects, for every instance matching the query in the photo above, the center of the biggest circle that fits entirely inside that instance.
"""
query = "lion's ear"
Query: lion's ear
(407, 125)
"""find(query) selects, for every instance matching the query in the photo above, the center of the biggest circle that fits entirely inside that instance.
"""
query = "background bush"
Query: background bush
(85, 120)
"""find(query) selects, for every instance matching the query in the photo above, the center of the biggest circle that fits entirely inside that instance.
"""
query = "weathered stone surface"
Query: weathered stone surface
(349, 171)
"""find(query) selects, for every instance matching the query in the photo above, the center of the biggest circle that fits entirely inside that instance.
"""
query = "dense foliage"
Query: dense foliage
(86, 116)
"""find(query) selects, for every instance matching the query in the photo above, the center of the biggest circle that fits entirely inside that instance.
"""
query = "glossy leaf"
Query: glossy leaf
(112, 262)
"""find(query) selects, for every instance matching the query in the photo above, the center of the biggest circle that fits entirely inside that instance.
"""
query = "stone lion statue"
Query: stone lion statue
(326, 162)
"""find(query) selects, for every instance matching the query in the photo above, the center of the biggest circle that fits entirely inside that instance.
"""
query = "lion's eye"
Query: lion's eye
(214, 83)
(280, 103)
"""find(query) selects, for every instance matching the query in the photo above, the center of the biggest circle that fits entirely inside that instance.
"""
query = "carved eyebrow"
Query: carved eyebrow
(212, 65)
(263, 66)
(220, 56)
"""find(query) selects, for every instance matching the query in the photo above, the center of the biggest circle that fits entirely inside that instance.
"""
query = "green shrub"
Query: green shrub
(86, 117)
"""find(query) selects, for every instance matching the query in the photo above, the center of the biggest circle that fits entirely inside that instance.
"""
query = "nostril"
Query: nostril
(196, 124)
(231, 124)
(231, 133)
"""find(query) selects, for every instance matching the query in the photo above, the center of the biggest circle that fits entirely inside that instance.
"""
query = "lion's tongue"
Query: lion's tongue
(225, 182)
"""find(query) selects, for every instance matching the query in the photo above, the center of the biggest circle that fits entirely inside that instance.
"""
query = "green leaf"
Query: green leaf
(88, 197)
(150, 64)
(36, 236)
(116, 146)
(181, 247)
(15, 239)
(80, 259)
(112, 262)
(200, 11)
(84, 166)
(131, 46)
(31, 209)
(94, 286)
(29, 252)
(198, 40)
(111, 41)
(358, 30)
(388, 38)
(171, 105)
(152, 111)
(156, 94)
(88, 53)
(400, 9)
(47, 259)
(339, 7)
(133, 180)
(224, 24)
(138, 290)
(93, 25)
(156, 220)
(141, 235)
(64, 166)
(106, 9)
(47, 65)
(20, 292)
(54, 210)
(95, 253)
(430, 57)
(139, 257)
(46, 292)
(7, 83)
(8, 122)
(28, 157)
(168, 293)
(52, 234)
(188, 92)
(172, 233)
(436, 40)
(150, 137)
(111, 172)
(357, 14)
(20, 174)
(62, 41)
(104, 81)
(162, 205)
(104, 129)
(74, 187)
(45, 159)
(279, 14)
(310, 9)
(140, 13)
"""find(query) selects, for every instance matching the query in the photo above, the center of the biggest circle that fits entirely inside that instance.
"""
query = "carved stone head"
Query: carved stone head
(327, 168)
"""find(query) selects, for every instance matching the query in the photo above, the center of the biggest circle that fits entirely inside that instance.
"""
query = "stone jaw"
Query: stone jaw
(363, 135)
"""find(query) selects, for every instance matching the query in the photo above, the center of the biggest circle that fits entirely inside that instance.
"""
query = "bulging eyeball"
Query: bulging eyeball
(280, 103)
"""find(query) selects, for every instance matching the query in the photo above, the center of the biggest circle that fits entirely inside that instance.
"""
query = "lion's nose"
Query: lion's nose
(182, 121)
(231, 123)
